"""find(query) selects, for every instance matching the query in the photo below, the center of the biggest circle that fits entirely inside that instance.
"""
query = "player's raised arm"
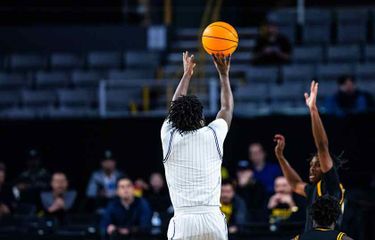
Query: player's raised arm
(320, 136)
(290, 174)
(222, 64)
(189, 65)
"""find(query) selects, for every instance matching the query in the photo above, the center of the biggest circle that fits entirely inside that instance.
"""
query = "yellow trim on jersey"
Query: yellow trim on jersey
(340, 236)
(323, 229)
(319, 188)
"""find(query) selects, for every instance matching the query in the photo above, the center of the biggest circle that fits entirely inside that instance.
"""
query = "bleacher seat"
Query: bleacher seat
(45, 80)
(76, 98)
(318, 16)
(368, 86)
(286, 92)
(25, 62)
(352, 25)
(9, 99)
(331, 72)
(240, 58)
(297, 73)
(365, 72)
(285, 16)
(316, 34)
(130, 74)
(343, 54)
(59, 61)
(91, 79)
(262, 74)
(119, 100)
(138, 59)
(307, 54)
(69, 112)
(41, 99)
(104, 60)
(13, 81)
(253, 92)
(370, 53)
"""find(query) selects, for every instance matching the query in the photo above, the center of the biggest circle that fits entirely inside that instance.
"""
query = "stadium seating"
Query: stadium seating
(308, 54)
(330, 72)
(97, 60)
(262, 74)
(297, 73)
(41, 99)
(77, 98)
(343, 54)
(369, 53)
(81, 78)
(51, 80)
(25, 62)
(13, 81)
(64, 61)
(352, 25)
(365, 72)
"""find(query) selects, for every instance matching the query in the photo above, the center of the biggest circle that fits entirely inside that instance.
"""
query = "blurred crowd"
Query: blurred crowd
(128, 207)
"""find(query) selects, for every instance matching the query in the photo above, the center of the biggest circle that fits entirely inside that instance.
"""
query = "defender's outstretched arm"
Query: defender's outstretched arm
(320, 136)
(222, 64)
(189, 66)
(290, 174)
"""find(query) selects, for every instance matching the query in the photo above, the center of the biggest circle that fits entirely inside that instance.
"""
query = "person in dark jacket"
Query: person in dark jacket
(233, 207)
(126, 215)
(349, 99)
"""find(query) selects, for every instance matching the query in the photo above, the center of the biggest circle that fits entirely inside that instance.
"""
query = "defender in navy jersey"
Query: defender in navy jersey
(323, 173)
(324, 212)
(192, 158)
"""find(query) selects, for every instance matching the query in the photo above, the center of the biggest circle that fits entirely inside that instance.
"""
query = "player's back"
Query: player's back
(321, 234)
(192, 163)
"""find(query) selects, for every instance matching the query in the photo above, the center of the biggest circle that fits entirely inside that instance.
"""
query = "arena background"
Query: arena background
(73, 140)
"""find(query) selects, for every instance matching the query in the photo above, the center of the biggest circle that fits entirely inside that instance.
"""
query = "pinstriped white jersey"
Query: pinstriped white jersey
(192, 164)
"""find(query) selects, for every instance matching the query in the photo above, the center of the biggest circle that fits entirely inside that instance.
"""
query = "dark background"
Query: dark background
(76, 146)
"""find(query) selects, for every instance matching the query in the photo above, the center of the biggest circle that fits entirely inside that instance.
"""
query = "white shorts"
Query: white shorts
(202, 223)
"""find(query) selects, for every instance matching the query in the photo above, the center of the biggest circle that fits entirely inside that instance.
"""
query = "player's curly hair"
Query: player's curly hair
(186, 114)
(325, 210)
(338, 161)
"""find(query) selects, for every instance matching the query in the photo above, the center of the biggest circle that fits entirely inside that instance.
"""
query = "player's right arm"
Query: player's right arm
(222, 64)
(290, 174)
(189, 66)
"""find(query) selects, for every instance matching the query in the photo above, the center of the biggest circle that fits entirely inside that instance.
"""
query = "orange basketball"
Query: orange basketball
(220, 37)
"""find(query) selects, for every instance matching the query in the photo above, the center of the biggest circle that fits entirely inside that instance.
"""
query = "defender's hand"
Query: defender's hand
(279, 148)
(311, 99)
(222, 63)
(189, 64)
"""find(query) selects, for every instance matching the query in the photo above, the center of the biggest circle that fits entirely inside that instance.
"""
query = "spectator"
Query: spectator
(126, 215)
(233, 207)
(35, 177)
(59, 201)
(251, 191)
(158, 195)
(7, 199)
(271, 47)
(348, 99)
(264, 172)
(283, 205)
(102, 183)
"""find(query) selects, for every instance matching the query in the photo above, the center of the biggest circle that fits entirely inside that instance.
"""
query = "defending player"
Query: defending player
(323, 174)
(192, 158)
(324, 212)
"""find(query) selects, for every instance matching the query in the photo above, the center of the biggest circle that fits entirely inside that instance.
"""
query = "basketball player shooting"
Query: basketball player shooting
(323, 176)
(193, 155)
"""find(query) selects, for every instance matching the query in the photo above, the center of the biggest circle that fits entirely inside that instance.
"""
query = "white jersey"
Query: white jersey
(192, 163)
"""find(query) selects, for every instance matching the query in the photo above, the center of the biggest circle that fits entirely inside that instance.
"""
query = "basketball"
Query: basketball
(220, 37)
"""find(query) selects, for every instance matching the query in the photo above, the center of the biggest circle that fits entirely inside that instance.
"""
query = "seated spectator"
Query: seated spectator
(264, 172)
(102, 183)
(283, 205)
(251, 191)
(7, 200)
(157, 194)
(35, 177)
(126, 215)
(233, 207)
(349, 99)
(271, 47)
(59, 201)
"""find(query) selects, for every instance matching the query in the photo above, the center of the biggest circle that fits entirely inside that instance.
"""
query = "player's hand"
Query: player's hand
(311, 99)
(189, 63)
(280, 140)
(111, 229)
(222, 63)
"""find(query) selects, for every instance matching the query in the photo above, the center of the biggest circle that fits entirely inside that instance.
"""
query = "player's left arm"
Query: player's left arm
(189, 65)
(320, 136)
